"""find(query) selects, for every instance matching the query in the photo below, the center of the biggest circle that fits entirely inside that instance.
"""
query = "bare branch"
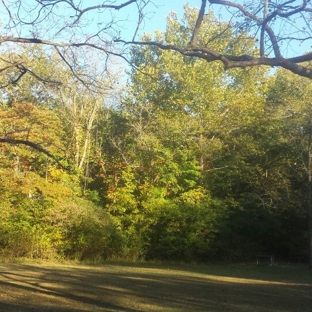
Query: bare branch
(198, 22)
(100, 6)
(140, 20)
(34, 146)
(256, 21)
(67, 24)
(70, 67)
(15, 64)
(232, 61)
(25, 70)
(270, 37)
(253, 17)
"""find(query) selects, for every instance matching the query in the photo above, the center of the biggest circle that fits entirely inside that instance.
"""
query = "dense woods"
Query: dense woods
(183, 162)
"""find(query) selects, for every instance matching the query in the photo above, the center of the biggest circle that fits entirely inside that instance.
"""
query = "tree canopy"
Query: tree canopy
(183, 161)
(275, 29)
(72, 28)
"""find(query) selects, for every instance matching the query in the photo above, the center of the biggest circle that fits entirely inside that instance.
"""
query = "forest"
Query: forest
(179, 161)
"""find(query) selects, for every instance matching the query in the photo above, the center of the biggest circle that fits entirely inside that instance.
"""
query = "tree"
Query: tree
(45, 213)
(186, 137)
(65, 28)
(73, 28)
(71, 100)
(289, 99)
(273, 27)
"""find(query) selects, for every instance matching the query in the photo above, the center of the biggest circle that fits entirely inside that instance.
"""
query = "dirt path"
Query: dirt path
(25, 288)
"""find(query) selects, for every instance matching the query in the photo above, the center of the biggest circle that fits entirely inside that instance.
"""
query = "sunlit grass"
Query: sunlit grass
(158, 287)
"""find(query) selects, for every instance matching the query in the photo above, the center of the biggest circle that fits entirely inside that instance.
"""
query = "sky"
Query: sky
(156, 16)
(156, 19)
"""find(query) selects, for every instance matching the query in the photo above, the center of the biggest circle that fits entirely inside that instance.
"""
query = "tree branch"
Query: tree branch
(253, 21)
(34, 146)
(232, 61)
(199, 21)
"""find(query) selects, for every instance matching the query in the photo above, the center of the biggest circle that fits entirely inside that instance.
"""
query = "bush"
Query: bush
(184, 230)
(44, 229)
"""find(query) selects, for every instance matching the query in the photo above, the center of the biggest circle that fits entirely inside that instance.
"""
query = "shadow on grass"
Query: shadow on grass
(15, 307)
(149, 288)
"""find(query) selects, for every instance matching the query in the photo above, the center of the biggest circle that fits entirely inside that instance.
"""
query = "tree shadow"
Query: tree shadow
(131, 288)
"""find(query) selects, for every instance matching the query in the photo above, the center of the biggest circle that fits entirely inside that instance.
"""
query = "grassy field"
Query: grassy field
(154, 287)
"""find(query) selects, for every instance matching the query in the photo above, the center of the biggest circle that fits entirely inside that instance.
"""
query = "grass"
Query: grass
(155, 287)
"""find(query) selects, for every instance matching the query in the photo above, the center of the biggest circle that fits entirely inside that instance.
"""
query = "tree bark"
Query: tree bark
(310, 192)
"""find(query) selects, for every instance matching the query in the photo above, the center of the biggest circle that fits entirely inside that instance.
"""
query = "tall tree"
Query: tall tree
(73, 27)
(269, 26)
(44, 211)
(186, 123)
(289, 98)
(69, 28)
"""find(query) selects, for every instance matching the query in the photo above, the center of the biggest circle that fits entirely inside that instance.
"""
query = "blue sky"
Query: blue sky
(156, 17)
(127, 17)
(157, 20)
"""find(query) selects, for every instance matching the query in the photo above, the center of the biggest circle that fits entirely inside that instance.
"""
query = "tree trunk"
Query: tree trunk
(310, 192)
(310, 206)
(310, 229)
(90, 122)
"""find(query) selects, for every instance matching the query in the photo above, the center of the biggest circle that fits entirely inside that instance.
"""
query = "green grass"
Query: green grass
(121, 286)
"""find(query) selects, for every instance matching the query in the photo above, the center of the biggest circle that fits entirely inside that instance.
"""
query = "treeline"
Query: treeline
(187, 162)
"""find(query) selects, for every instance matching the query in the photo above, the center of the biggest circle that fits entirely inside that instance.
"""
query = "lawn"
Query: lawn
(154, 287)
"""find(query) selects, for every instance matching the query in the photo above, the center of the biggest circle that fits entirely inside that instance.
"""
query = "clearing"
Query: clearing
(154, 287)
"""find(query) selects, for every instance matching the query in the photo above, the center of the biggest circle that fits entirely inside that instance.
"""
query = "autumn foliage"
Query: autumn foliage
(188, 164)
